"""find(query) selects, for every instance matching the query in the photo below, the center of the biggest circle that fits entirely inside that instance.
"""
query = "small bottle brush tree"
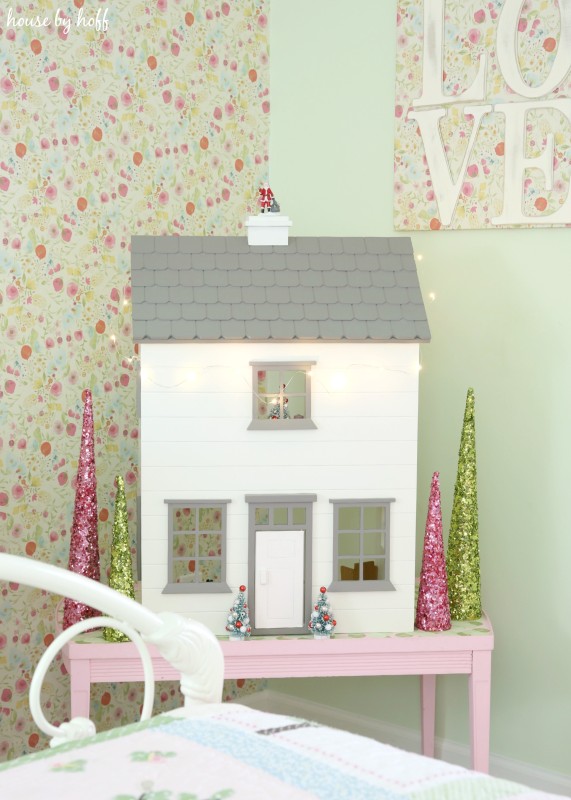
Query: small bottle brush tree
(322, 622)
(238, 625)
(276, 404)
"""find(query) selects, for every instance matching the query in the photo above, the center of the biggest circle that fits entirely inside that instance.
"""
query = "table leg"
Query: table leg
(428, 712)
(79, 673)
(479, 689)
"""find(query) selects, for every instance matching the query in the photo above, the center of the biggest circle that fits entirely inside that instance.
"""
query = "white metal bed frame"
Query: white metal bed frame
(188, 645)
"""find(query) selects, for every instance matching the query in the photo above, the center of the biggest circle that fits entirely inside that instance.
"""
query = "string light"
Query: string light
(149, 379)
(432, 296)
(337, 381)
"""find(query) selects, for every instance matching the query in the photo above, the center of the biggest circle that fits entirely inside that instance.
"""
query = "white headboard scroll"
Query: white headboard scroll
(80, 727)
(186, 644)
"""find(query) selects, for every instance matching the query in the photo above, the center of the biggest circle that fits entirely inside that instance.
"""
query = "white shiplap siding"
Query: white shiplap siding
(196, 405)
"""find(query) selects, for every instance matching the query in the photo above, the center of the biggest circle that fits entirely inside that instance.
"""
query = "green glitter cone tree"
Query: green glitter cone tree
(121, 575)
(463, 554)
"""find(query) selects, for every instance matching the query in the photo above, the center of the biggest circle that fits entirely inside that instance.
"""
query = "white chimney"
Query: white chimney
(268, 229)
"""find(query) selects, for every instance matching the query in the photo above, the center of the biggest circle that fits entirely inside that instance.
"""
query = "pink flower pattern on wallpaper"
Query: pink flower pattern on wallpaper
(470, 30)
(157, 126)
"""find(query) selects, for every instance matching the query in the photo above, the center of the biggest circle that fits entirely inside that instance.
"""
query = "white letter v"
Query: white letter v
(446, 189)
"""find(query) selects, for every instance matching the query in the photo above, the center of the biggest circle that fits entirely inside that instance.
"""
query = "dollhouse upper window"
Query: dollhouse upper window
(196, 546)
(281, 396)
(361, 545)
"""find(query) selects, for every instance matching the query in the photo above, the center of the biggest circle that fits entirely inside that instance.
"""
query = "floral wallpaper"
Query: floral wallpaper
(532, 55)
(131, 117)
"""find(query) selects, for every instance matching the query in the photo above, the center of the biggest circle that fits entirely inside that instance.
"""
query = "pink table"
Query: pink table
(465, 649)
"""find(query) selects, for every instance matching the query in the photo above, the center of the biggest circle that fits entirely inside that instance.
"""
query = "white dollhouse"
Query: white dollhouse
(279, 410)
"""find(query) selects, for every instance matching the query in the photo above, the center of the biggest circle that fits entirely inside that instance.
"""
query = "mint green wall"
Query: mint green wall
(500, 323)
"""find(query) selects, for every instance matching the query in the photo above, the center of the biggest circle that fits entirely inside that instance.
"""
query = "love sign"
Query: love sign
(483, 114)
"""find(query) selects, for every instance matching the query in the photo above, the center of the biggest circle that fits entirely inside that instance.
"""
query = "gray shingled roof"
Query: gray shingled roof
(207, 288)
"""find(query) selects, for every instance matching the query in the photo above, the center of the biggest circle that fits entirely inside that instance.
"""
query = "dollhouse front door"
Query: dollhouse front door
(279, 580)
(279, 562)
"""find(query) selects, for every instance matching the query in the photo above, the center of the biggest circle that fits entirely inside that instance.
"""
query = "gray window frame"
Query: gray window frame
(361, 585)
(272, 501)
(172, 586)
(281, 424)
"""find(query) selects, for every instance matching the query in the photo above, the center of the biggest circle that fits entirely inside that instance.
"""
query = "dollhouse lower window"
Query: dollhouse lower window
(196, 546)
(361, 545)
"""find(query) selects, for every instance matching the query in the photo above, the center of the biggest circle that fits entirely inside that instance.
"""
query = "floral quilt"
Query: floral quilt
(230, 752)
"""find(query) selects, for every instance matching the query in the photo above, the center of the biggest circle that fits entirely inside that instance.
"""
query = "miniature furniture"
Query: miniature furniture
(191, 649)
(465, 649)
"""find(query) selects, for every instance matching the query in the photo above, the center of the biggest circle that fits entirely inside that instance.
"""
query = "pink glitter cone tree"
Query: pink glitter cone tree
(433, 607)
(84, 544)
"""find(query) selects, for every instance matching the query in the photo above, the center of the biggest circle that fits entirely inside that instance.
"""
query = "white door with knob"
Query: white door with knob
(279, 579)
